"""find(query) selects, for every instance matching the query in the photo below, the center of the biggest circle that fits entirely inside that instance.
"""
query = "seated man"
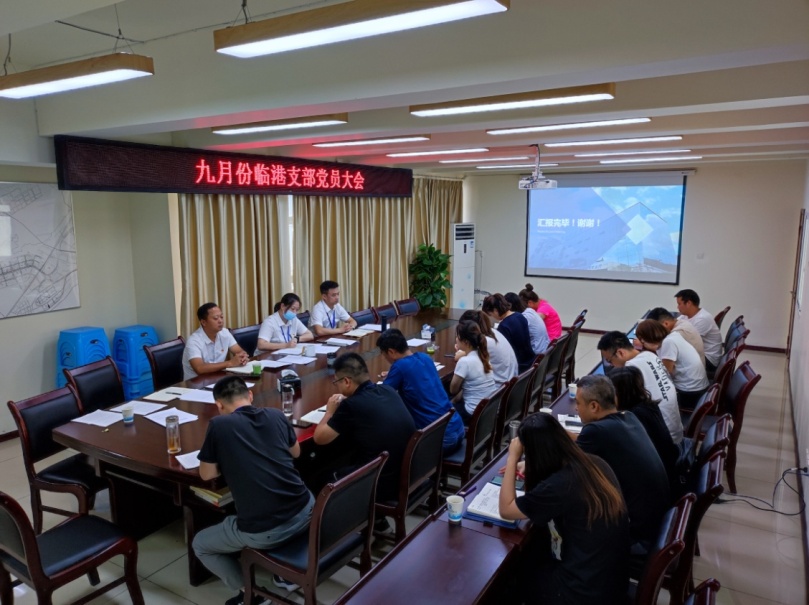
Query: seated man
(681, 326)
(414, 376)
(206, 350)
(688, 305)
(253, 449)
(620, 439)
(372, 417)
(618, 351)
(328, 312)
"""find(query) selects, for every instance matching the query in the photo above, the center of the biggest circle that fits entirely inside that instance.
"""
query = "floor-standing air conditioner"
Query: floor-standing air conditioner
(463, 266)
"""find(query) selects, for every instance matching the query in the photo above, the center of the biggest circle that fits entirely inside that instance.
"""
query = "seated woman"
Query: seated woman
(501, 355)
(536, 327)
(513, 326)
(578, 497)
(283, 329)
(633, 397)
(473, 379)
(544, 309)
(681, 360)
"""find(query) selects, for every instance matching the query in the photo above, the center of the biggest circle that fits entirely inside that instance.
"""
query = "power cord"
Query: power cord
(798, 470)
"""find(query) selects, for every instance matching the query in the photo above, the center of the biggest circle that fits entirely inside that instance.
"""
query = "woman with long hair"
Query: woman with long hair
(537, 331)
(578, 497)
(283, 329)
(544, 309)
(473, 379)
(513, 326)
(501, 355)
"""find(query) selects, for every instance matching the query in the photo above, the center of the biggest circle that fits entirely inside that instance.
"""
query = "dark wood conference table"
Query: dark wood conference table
(149, 487)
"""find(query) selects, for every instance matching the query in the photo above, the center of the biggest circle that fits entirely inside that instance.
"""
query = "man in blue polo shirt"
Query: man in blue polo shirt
(415, 377)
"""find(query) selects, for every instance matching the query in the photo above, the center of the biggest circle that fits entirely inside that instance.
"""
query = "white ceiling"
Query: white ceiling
(730, 76)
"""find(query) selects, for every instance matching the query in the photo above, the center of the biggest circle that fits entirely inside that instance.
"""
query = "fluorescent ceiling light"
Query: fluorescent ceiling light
(569, 126)
(514, 159)
(346, 21)
(410, 139)
(412, 154)
(288, 124)
(617, 141)
(650, 152)
(521, 100)
(644, 160)
(516, 166)
(76, 74)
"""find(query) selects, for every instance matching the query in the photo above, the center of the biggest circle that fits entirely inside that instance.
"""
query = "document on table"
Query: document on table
(200, 395)
(297, 359)
(325, 349)
(341, 342)
(439, 367)
(290, 351)
(358, 332)
(160, 417)
(487, 502)
(99, 418)
(571, 424)
(141, 408)
(188, 460)
(372, 327)
(416, 342)
(169, 394)
(314, 416)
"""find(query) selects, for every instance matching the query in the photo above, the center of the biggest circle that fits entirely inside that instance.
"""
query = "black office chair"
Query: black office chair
(366, 316)
(341, 528)
(704, 594)
(166, 361)
(98, 385)
(421, 472)
(304, 318)
(62, 554)
(387, 311)
(568, 367)
(556, 357)
(36, 418)
(247, 338)
(408, 306)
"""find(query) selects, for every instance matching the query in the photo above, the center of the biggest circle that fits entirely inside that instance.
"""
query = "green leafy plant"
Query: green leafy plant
(428, 277)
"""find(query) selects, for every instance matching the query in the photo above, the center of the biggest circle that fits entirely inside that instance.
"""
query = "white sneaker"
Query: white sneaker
(282, 583)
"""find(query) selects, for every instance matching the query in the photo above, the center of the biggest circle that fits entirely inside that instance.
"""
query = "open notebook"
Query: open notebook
(486, 506)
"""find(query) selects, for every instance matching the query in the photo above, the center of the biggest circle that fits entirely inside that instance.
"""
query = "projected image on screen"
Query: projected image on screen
(615, 232)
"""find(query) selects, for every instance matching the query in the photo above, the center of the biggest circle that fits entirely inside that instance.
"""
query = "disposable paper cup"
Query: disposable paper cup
(546, 410)
(454, 508)
(571, 390)
(309, 351)
(513, 427)
(128, 412)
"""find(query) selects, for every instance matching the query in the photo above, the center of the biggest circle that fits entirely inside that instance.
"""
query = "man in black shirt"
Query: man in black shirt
(372, 416)
(620, 439)
(253, 449)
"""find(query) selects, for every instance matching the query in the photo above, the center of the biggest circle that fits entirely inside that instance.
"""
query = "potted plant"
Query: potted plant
(428, 277)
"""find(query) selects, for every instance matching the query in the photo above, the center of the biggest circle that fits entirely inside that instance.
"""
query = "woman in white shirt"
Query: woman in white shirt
(473, 379)
(283, 329)
(680, 359)
(501, 355)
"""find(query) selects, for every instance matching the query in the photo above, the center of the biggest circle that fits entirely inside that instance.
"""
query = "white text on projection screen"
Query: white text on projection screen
(625, 233)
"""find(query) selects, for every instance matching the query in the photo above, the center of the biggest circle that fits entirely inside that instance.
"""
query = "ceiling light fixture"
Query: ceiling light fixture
(520, 100)
(288, 124)
(76, 74)
(514, 159)
(611, 153)
(644, 160)
(516, 166)
(346, 21)
(413, 154)
(616, 141)
(359, 142)
(550, 127)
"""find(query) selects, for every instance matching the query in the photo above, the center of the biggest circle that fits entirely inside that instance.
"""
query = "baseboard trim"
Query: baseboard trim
(9, 436)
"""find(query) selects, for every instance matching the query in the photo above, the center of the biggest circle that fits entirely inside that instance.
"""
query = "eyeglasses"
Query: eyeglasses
(338, 380)
(608, 360)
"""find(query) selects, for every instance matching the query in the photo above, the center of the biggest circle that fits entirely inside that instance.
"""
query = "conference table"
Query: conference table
(149, 487)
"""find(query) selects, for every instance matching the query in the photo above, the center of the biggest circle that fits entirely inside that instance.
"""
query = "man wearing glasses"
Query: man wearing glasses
(616, 350)
(372, 417)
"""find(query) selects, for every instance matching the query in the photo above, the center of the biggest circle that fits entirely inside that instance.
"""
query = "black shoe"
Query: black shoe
(239, 600)
(381, 526)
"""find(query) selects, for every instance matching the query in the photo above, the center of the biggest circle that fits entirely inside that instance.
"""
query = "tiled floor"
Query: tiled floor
(756, 555)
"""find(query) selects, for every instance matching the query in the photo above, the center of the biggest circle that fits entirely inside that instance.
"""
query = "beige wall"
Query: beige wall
(125, 277)
(739, 240)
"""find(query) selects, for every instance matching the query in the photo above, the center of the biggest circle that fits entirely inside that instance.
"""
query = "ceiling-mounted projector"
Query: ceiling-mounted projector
(537, 180)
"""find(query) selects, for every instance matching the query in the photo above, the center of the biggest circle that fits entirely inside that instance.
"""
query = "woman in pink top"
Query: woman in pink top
(548, 314)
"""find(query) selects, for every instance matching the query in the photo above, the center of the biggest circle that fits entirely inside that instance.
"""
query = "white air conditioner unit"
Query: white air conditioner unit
(462, 295)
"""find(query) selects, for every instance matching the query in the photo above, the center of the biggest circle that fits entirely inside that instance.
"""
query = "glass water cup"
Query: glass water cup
(173, 434)
(287, 399)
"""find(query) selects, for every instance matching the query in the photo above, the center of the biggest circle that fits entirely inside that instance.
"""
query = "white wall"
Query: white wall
(739, 241)
(19, 142)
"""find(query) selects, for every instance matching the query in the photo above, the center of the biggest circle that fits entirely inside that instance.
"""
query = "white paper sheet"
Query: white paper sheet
(298, 359)
(564, 419)
(358, 332)
(487, 502)
(373, 327)
(160, 417)
(291, 351)
(188, 460)
(100, 418)
(314, 416)
(141, 408)
(325, 349)
(416, 342)
(341, 342)
(200, 395)
(169, 394)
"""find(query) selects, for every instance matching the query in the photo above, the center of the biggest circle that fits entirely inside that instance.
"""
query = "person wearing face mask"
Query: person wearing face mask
(283, 329)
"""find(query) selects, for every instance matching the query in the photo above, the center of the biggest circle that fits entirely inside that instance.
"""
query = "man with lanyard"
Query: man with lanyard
(328, 313)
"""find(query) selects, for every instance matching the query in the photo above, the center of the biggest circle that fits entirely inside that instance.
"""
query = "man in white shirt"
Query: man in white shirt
(616, 350)
(328, 314)
(688, 306)
(206, 350)
(682, 326)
